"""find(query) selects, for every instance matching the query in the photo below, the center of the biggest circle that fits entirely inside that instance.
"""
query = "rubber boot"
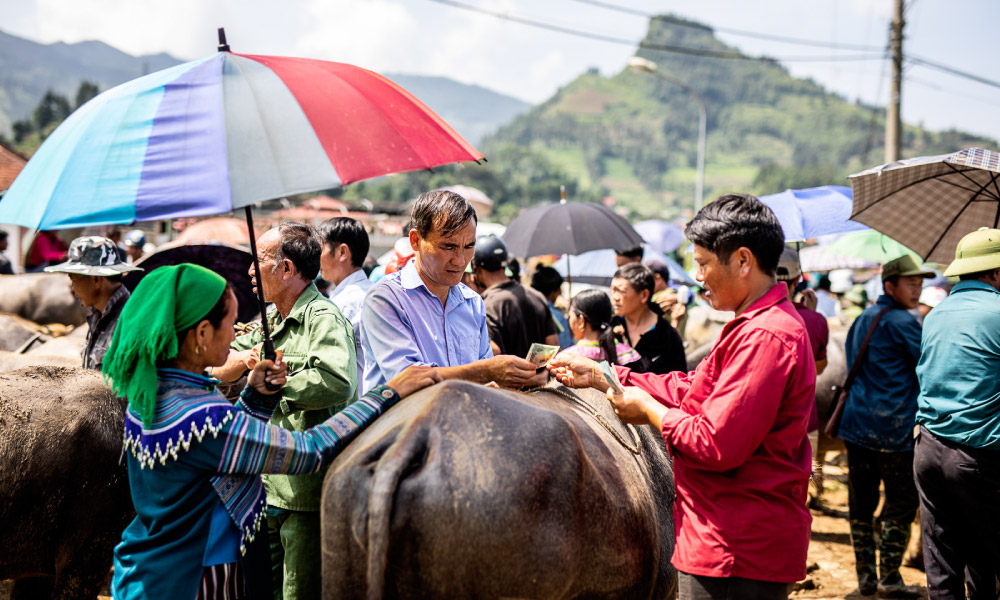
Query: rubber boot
(863, 540)
(891, 547)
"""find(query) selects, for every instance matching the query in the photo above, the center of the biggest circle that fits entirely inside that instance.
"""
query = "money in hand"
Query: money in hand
(540, 354)
(611, 377)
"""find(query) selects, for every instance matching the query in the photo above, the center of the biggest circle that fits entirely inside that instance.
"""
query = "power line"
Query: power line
(650, 46)
(953, 71)
(737, 32)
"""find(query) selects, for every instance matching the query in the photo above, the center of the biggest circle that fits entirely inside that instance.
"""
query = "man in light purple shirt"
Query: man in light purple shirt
(424, 315)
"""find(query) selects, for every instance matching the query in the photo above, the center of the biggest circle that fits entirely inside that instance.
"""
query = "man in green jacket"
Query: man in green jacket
(318, 345)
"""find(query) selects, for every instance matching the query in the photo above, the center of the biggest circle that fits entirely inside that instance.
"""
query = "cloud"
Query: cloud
(377, 35)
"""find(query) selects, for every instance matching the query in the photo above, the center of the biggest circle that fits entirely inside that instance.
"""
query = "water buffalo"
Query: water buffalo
(17, 332)
(40, 297)
(464, 491)
(69, 346)
(10, 361)
(64, 497)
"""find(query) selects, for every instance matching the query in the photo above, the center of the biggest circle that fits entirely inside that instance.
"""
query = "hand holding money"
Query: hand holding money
(540, 355)
(611, 377)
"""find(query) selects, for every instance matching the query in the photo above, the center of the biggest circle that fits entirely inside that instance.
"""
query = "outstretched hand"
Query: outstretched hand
(510, 371)
(575, 371)
(414, 378)
(269, 372)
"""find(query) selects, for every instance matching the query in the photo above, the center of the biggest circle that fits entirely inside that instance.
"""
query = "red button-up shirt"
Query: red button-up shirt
(736, 428)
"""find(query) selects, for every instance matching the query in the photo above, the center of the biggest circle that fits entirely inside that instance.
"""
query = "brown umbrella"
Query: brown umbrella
(929, 203)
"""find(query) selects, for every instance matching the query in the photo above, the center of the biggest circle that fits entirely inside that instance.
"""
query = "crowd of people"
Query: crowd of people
(742, 427)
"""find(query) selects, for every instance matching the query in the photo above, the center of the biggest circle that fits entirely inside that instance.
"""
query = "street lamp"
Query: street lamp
(641, 65)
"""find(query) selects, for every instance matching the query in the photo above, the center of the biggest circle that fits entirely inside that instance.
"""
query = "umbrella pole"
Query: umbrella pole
(268, 349)
(569, 281)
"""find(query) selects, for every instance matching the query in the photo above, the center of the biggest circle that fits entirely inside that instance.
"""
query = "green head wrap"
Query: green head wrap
(168, 300)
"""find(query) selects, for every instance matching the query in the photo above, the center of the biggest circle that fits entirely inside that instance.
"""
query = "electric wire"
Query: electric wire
(650, 46)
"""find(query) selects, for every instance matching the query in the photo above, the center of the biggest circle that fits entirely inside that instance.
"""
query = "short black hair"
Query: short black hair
(345, 230)
(894, 280)
(735, 221)
(824, 283)
(635, 252)
(300, 244)
(546, 280)
(3, 234)
(442, 211)
(639, 276)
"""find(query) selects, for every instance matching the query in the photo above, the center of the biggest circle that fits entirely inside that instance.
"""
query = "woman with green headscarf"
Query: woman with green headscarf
(194, 459)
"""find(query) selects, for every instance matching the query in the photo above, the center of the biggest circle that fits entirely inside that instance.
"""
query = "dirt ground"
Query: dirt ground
(831, 559)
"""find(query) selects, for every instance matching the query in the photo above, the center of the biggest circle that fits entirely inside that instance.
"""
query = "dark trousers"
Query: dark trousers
(701, 587)
(960, 517)
(868, 468)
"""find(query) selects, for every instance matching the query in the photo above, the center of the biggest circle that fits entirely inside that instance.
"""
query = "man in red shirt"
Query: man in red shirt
(736, 425)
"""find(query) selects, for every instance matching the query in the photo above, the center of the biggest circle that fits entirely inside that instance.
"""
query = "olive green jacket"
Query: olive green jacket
(318, 346)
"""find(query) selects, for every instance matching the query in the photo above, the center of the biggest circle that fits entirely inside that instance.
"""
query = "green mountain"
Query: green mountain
(29, 69)
(633, 136)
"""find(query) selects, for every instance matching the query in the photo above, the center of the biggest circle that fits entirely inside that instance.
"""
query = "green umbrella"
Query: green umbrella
(869, 245)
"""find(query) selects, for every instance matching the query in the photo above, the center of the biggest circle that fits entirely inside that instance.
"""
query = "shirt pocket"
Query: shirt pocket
(296, 362)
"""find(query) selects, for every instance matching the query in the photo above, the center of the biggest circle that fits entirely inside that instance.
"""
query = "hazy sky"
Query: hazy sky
(427, 37)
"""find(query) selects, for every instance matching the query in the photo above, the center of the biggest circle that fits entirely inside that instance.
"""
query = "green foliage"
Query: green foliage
(50, 112)
(85, 92)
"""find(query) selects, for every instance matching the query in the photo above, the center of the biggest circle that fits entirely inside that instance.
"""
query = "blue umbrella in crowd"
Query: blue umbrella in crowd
(812, 212)
(662, 236)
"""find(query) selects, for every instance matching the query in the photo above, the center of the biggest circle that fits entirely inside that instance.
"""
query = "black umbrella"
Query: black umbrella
(232, 262)
(568, 228)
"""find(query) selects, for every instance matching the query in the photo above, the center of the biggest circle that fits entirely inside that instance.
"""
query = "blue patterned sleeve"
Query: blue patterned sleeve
(256, 404)
(253, 446)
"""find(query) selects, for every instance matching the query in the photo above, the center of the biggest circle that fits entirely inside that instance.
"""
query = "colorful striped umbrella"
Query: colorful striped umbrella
(221, 133)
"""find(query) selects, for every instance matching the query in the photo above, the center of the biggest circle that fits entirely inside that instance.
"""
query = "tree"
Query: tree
(85, 92)
(52, 109)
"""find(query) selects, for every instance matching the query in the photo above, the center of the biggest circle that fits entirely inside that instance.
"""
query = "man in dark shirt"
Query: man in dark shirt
(877, 429)
(516, 316)
(95, 272)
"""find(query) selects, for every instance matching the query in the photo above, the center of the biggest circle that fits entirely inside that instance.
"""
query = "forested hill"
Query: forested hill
(634, 135)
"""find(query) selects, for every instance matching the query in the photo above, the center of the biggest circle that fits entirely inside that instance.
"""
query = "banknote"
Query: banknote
(540, 354)
(611, 377)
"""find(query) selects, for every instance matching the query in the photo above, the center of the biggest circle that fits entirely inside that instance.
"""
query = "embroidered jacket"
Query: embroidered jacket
(195, 479)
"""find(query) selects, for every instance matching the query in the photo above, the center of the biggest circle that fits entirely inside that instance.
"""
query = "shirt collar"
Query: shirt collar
(972, 284)
(181, 376)
(352, 279)
(773, 296)
(886, 300)
(308, 295)
(410, 279)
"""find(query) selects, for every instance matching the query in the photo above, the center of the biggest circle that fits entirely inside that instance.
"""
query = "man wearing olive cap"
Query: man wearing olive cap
(95, 272)
(877, 428)
(957, 456)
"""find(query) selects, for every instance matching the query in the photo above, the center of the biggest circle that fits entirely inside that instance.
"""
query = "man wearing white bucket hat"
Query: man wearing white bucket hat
(95, 273)
(957, 455)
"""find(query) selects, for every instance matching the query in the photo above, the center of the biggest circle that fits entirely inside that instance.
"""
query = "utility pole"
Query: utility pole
(893, 123)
